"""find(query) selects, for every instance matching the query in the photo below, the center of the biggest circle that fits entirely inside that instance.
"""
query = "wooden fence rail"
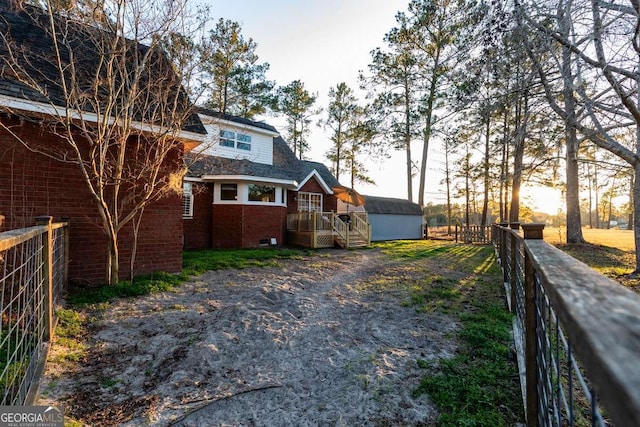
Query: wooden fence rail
(577, 334)
(33, 273)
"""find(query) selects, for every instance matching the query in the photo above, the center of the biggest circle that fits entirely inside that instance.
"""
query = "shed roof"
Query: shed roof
(391, 206)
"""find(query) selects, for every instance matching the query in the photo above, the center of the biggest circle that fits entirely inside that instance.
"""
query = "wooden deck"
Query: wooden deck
(328, 229)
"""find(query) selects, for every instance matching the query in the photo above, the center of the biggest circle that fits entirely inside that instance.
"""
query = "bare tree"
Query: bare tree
(110, 97)
(603, 46)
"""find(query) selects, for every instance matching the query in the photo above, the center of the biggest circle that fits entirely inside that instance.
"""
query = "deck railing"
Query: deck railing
(324, 227)
(33, 273)
(360, 224)
(577, 334)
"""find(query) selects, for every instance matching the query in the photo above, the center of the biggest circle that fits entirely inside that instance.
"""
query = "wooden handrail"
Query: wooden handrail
(602, 319)
(599, 317)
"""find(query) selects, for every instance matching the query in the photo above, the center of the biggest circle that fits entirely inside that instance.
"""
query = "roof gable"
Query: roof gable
(314, 174)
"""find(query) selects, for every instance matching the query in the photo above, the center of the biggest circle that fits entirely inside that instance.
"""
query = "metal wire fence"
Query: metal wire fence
(569, 343)
(32, 278)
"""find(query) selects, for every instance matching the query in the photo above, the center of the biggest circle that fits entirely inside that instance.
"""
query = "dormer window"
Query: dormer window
(238, 140)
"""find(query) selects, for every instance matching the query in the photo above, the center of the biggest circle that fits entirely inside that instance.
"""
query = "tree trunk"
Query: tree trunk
(134, 247)
(597, 194)
(574, 223)
(407, 139)
(467, 190)
(636, 215)
(503, 166)
(485, 203)
(427, 128)
(522, 112)
(631, 204)
(590, 195)
(448, 185)
(113, 262)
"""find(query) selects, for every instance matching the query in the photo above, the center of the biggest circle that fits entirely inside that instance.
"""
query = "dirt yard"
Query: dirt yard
(311, 342)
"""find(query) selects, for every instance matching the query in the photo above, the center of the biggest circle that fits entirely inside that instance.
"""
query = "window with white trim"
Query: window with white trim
(262, 193)
(232, 139)
(228, 191)
(309, 202)
(187, 200)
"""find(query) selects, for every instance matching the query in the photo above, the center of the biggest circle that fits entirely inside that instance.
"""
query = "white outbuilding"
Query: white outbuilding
(394, 219)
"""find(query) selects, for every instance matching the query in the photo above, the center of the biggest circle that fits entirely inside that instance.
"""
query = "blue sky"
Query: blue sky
(325, 42)
(321, 43)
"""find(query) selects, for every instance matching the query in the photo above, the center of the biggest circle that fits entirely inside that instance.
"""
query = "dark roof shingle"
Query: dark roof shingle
(29, 70)
(391, 206)
(285, 165)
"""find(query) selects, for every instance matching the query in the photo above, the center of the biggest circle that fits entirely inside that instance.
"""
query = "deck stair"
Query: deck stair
(326, 229)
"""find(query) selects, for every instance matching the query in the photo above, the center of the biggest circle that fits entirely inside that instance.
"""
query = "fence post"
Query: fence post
(67, 236)
(513, 265)
(531, 231)
(47, 248)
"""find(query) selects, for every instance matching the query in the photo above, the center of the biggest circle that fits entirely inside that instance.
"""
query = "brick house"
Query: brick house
(34, 184)
(241, 187)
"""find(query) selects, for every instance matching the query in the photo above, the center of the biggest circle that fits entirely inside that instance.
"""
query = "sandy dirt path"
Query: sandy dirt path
(302, 344)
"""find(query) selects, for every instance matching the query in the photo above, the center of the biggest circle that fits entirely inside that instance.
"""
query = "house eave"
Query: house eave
(209, 120)
(11, 105)
(287, 183)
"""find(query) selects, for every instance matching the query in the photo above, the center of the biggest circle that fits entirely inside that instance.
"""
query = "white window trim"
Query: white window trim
(310, 195)
(243, 194)
(187, 201)
(236, 140)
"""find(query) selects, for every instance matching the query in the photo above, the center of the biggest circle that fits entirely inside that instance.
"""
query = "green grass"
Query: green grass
(413, 249)
(197, 262)
(194, 263)
(479, 385)
(144, 285)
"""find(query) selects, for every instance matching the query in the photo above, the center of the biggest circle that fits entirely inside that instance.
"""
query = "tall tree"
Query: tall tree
(296, 104)
(393, 83)
(358, 143)
(434, 29)
(236, 81)
(341, 119)
(115, 103)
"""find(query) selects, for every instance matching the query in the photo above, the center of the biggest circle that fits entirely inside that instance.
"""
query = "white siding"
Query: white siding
(261, 145)
(395, 227)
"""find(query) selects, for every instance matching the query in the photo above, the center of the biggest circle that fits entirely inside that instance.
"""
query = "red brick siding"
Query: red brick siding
(263, 222)
(243, 226)
(329, 202)
(32, 184)
(226, 226)
(197, 230)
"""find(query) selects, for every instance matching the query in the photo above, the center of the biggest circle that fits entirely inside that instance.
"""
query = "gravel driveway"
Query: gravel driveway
(310, 342)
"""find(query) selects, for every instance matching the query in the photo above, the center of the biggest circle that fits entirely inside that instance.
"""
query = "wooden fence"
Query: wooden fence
(461, 233)
(33, 273)
(577, 334)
